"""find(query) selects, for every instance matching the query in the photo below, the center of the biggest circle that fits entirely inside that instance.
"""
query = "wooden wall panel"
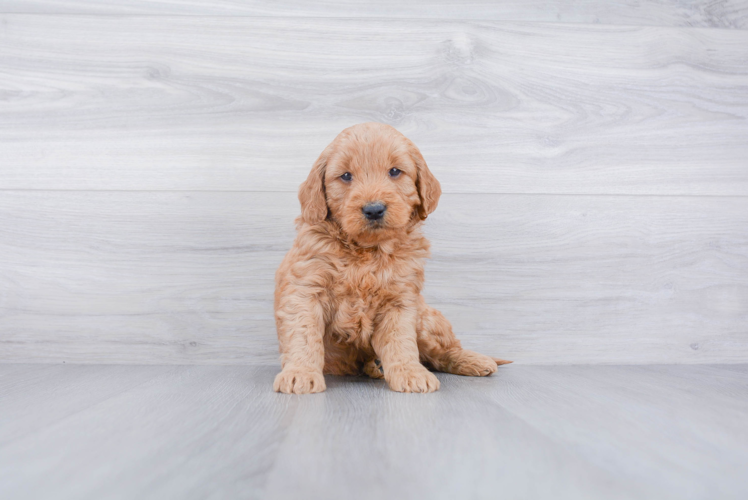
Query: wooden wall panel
(729, 14)
(596, 174)
(218, 103)
(187, 277)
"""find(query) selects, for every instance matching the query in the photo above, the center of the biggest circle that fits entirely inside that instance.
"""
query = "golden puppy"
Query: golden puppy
(348, 294)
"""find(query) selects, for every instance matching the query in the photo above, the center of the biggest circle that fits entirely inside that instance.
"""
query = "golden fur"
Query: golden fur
(348, 293)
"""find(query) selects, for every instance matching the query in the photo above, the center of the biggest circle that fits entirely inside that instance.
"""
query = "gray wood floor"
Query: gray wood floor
(563, 432)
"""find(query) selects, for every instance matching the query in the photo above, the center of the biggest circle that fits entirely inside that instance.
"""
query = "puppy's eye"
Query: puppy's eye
(346, 177)
(394, 172)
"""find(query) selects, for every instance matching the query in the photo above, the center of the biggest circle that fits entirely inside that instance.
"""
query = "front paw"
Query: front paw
(411, 378)
(296, 381)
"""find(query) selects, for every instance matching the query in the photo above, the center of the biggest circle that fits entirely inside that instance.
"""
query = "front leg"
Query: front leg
(394, 342)
(299, 317)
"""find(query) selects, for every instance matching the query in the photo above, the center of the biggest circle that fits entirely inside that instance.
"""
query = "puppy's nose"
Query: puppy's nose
(374, 211)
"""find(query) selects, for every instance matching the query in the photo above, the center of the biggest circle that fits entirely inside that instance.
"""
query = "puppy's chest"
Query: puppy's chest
(362, 290)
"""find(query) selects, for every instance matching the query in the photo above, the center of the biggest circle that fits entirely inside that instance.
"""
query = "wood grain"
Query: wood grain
(36, 396)
(220, 103)
(193, 432)
(723, 14)
(563, 432)
(160, 277)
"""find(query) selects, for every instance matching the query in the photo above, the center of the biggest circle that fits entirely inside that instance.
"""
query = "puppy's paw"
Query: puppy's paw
(373, 368)
(295, 381)
(471, 364)
(411, 378)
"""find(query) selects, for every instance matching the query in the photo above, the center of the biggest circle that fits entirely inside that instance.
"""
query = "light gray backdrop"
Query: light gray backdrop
(595, 175)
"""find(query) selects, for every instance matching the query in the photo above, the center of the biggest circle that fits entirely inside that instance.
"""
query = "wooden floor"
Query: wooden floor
(561, 432)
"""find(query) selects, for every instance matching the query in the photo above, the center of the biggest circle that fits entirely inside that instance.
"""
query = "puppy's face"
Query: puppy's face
(373, 181)
(370, 182)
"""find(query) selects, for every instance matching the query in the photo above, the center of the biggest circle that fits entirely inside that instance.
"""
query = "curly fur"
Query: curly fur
(348, 294)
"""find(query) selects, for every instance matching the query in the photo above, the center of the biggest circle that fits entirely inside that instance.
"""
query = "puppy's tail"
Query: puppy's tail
(502, 361)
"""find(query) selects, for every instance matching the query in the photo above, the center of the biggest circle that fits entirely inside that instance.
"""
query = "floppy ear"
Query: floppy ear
(312, 191)
(428, 187)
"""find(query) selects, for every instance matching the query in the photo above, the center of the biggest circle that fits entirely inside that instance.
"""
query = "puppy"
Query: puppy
(348, 293)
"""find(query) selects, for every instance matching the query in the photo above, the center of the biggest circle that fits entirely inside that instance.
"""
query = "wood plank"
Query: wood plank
(192, 432)
(456, 444)
(187, 277)
(44, 394)
(675, 432)
(219, 103)
(634, 432)
(723, 14)
(644, 432)
(550, 277)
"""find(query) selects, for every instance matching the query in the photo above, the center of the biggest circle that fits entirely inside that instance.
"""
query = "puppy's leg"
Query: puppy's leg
(301, 327)
(341, 358)
(373, 368)
(394, 342)
(439, 348)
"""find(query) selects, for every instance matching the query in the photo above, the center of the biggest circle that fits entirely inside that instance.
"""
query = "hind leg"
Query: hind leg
(439, 348)
(346, 359)
(373, 368)
(341, 358)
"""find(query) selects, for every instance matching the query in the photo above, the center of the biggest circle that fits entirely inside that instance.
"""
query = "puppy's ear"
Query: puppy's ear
(312, 191)
(428, 187)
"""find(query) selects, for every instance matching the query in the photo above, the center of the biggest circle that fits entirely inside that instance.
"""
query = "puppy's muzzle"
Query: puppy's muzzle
(374, 211)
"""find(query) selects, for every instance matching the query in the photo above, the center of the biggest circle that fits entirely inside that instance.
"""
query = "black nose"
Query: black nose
(374, 211)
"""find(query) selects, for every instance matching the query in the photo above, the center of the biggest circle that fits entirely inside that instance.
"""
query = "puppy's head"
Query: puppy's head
(372, 180)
